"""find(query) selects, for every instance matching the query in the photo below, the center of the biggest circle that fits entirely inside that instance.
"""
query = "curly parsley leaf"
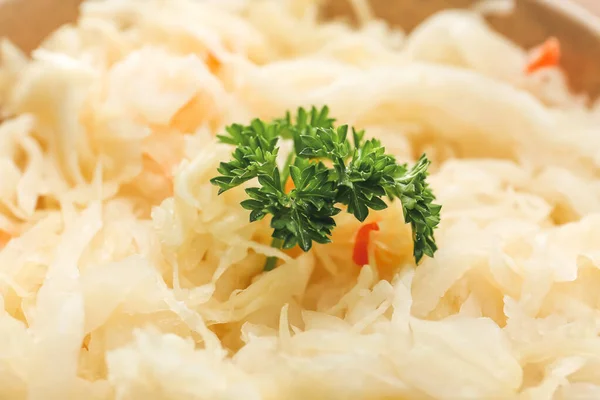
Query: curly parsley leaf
(302, 216)
(360, 176)
(255, 154)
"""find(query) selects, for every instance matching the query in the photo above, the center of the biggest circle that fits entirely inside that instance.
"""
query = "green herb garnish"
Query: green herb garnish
(360, 175)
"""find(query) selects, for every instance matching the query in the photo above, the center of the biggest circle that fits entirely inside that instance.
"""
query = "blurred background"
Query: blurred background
(576, 23)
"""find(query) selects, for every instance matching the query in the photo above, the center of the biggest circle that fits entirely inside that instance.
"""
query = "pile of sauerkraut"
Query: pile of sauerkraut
(123, 274)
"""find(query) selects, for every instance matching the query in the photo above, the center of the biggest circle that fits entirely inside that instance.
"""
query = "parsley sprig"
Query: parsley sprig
(327, 170)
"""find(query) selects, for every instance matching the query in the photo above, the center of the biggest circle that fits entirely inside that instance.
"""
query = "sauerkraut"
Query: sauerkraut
(124, 276)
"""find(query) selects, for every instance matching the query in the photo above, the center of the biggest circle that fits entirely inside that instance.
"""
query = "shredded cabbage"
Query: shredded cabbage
(124, 276)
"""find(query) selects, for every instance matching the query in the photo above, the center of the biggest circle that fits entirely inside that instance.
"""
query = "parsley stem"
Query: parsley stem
(286, 167)
(272, 261)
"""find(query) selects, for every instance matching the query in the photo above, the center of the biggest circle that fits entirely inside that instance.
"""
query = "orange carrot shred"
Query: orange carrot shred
(360, 255)
(545, 55)
(289, 185)
(4, 238)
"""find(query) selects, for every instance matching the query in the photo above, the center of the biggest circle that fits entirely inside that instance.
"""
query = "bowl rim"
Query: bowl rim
(576, 11)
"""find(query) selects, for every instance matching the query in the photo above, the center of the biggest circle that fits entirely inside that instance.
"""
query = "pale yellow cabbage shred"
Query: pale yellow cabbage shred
(124, 276)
